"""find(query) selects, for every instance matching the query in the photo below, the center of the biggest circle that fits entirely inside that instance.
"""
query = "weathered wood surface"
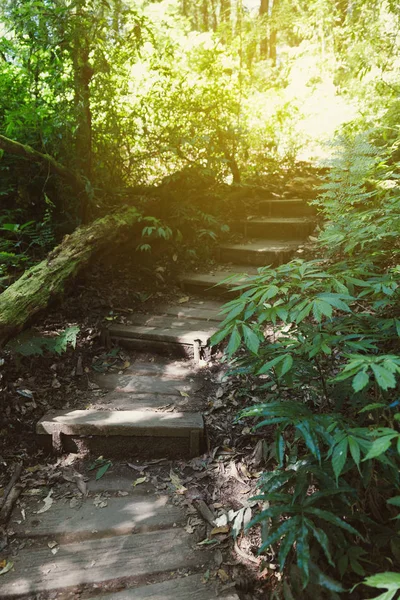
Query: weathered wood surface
(100, 560)
(121, 516)
(134, 401)
(146, 384)
(260, 253)
(192, 587)
(124, 422)
(214, 283)
(48, 280)
(170, 330)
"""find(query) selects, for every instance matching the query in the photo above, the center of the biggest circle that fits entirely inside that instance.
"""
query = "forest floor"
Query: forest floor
(224, 478)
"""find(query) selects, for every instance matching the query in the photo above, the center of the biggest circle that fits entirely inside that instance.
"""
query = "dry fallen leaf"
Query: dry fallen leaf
(183, 300)
(48, 501)
(139, 481)
(99, 501)
(223, 575)
(5, 566)
(177, 483)
(218, 530)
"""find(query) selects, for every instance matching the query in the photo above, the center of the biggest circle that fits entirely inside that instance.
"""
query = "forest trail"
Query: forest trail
(123, 537)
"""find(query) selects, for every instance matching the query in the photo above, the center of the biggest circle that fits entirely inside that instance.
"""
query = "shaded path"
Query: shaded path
(129, 541)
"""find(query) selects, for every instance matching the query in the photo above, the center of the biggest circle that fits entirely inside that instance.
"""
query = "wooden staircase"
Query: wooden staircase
(137, 545)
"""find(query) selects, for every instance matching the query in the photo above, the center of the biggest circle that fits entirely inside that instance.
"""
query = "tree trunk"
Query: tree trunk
(83, 73)
(28, 153)
(48, 280)
(264, 13)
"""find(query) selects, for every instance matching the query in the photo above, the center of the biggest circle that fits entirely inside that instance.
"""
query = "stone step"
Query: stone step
(219, 282)
(193, 586)
(285, 207)
(122, 433)
(100, 561)
(179, 337)
(259, 253)
(121, 516)
(275, 228)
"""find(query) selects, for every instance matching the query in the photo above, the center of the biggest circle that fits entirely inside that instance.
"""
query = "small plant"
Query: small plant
(29, 344)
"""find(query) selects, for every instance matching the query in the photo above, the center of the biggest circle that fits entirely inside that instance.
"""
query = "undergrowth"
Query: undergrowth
(321, 340)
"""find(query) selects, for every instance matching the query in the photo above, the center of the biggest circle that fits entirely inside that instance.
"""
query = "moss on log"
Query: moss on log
(47, 281)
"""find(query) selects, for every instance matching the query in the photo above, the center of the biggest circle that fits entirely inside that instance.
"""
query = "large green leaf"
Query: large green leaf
(250, 339)
(379, 446)
(234, 341)
(325, 515)
(384, 378)
(339, 457)
(360, 381)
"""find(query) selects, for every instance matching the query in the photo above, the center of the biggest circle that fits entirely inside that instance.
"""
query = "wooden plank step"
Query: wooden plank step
(260, 253)
(132, 401)
(147, 384)
(181, 337)
(205, 310)
(149, 433)
(167, 369)
(214, 283)
(96, 561)
(192, 586)
(282, 228)
(285, 207)
(121, 516)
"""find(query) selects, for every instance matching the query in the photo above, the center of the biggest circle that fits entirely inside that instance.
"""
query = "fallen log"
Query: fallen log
(47, 281)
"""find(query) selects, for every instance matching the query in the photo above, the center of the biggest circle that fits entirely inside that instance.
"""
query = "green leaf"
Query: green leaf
(360, 381)
(234, 341)
(388, 580)
(269, 365)
(354, 450)
(304, 313)
(322, 539)
(395, 501)
(250, 339)
(320, 309)
(303, 553)
(379, 446)
(274, 537)
(286, 365)
(217, 337)
(339, 457)
(384, 378)
(325, 515)
(103, 470)
(288, 542)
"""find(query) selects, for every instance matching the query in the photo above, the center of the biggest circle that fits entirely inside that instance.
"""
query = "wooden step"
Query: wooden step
(100, 561)
(285, 207)
(207, 310)
(193, 586)
(259, 253)
(136, 513)
(179, 337)
(275, 228)
(219, 282)
(123, 432)
(147, 384)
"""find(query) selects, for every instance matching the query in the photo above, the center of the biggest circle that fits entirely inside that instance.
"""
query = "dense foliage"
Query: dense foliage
(321, 337)
(168, 104)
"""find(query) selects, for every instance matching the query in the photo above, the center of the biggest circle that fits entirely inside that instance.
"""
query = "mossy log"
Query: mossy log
(48, 280)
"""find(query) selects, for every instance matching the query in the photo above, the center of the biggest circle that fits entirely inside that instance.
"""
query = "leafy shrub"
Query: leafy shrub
(321, 340)
(29, 344)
